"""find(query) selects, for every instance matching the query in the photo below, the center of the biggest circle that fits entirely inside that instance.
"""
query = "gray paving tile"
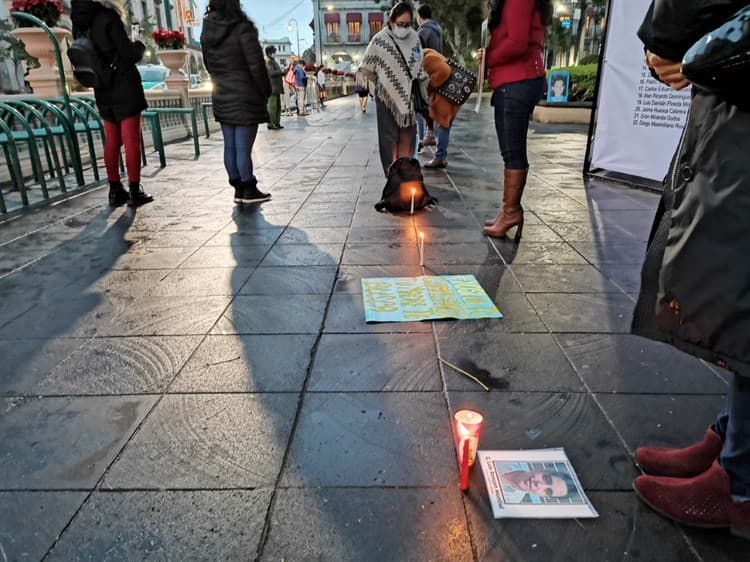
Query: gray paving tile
(594, 313)
(517, 362)
(305, 280)
(247, 364)
(64, 443)
(231, 236)
(349, 279)
(648, 537)
(284, 255)
(627, 277)
(366, 524)
(92, 366)
(207, 441)
(630, 253)
(540, 420)
(379, 254)
(212, 525)
(201, 282)
(153, 258)
(328, 235)
(718, 545)
(376, 362)
(227, 256)
(661, 420)
(31, 521)
(532, 253)
(519, 317)
(624, 363)
(482, 253)
(563, 279)
(496, 280)
(372, 440)
(272, 314)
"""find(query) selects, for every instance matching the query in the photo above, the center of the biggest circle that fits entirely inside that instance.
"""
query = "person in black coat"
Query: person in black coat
(234, 58)
(120, 104)
(276, 75)
(695, 291)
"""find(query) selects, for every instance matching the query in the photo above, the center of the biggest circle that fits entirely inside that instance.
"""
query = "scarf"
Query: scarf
(383, 65)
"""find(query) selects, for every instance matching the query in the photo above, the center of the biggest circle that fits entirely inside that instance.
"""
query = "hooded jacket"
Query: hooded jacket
(431, 36)
(695, 290)
(234, 58)
(125, 97)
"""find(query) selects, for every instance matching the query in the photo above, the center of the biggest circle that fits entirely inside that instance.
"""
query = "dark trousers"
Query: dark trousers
(514, 103)
(238, 148)
(733, 426)
(395, 142)
(274, 111)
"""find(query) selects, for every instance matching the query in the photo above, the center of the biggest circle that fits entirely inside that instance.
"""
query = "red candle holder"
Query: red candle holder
(468, 429)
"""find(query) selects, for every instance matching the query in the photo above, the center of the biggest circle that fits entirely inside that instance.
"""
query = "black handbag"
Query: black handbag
(459, 86)
(720, 61)
(421, 105)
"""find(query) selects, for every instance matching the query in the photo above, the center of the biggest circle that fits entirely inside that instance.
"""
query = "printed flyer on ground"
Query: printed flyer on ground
(535, 484)
(411, 299)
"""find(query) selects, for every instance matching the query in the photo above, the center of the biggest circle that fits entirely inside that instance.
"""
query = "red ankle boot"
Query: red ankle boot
(680, 463)
(702, 501)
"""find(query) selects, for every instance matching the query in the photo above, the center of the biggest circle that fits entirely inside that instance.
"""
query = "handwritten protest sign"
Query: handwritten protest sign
(411, 299)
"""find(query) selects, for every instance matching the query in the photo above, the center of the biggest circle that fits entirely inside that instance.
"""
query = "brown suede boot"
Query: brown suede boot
(680, 463)
(512, 213)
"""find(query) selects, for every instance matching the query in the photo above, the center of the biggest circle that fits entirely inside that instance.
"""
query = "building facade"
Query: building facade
(283, 49)
(343, 29)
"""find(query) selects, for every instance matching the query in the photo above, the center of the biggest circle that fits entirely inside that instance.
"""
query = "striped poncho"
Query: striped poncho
(384, 66)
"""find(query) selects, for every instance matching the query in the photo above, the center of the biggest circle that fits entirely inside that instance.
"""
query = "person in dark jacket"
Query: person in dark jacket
(516, 75)
(696, 277)
(234, 58)
(120, 104)
(275, 74)
(431, 36)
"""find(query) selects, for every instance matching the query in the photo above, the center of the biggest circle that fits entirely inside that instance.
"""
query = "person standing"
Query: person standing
(431, 36)
(300, 83)
(442, 111)
(696, 277)
(321, 79)
(362, 93)
(234, 58)
(121, 102)
(516, 75)
(392, 61)
(276, 75)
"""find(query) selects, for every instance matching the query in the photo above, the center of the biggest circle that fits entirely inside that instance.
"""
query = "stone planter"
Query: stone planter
(174, 60)
(563, 114)
(46, 79)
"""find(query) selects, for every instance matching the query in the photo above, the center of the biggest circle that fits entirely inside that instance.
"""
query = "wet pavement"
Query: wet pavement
(191, 381)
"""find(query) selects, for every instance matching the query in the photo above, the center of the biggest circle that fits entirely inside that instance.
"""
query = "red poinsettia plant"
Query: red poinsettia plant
(169, 39)
(49, 11)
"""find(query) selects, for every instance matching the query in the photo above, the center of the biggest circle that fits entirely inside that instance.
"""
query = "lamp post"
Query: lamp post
(296, 26)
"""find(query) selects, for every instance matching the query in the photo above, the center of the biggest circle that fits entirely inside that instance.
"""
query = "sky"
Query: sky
(269, 17)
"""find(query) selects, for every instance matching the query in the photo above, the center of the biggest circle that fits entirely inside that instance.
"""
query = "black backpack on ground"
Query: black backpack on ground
(89, 68)
(404, 177)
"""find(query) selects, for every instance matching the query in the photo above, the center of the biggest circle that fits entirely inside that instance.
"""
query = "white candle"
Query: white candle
(421, 249)
(413, 194)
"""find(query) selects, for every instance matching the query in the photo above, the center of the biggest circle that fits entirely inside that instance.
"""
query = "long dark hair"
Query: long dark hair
(399, 10)
(228, 8)
(544, 7)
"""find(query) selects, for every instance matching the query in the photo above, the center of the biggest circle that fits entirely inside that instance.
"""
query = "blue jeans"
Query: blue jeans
(514, 104)
(443, 139)
(238, 148)
(733, 426)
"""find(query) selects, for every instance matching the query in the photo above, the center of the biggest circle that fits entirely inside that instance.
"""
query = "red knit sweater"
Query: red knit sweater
(515, 50)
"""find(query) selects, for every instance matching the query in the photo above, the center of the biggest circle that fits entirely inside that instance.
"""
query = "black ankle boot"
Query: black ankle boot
(117, 194)
(251, 193)
(237, 185)
(137, 196)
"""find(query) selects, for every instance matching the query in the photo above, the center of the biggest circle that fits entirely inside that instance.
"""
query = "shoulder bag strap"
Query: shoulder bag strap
(403, 58)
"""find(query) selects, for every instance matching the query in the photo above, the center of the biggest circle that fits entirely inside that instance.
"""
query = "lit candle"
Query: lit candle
(468, 428)
(413, 195)
(421, 249)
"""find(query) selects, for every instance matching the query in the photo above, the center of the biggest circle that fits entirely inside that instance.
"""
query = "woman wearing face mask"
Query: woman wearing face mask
(392, 72)
(516, 74)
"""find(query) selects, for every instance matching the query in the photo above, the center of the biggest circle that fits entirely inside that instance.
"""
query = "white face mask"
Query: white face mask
(401, 32)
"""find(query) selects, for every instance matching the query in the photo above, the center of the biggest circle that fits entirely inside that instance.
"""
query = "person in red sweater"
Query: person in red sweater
(515, 71)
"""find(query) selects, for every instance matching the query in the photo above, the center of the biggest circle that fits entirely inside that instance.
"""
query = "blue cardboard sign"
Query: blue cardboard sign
(412, 299)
